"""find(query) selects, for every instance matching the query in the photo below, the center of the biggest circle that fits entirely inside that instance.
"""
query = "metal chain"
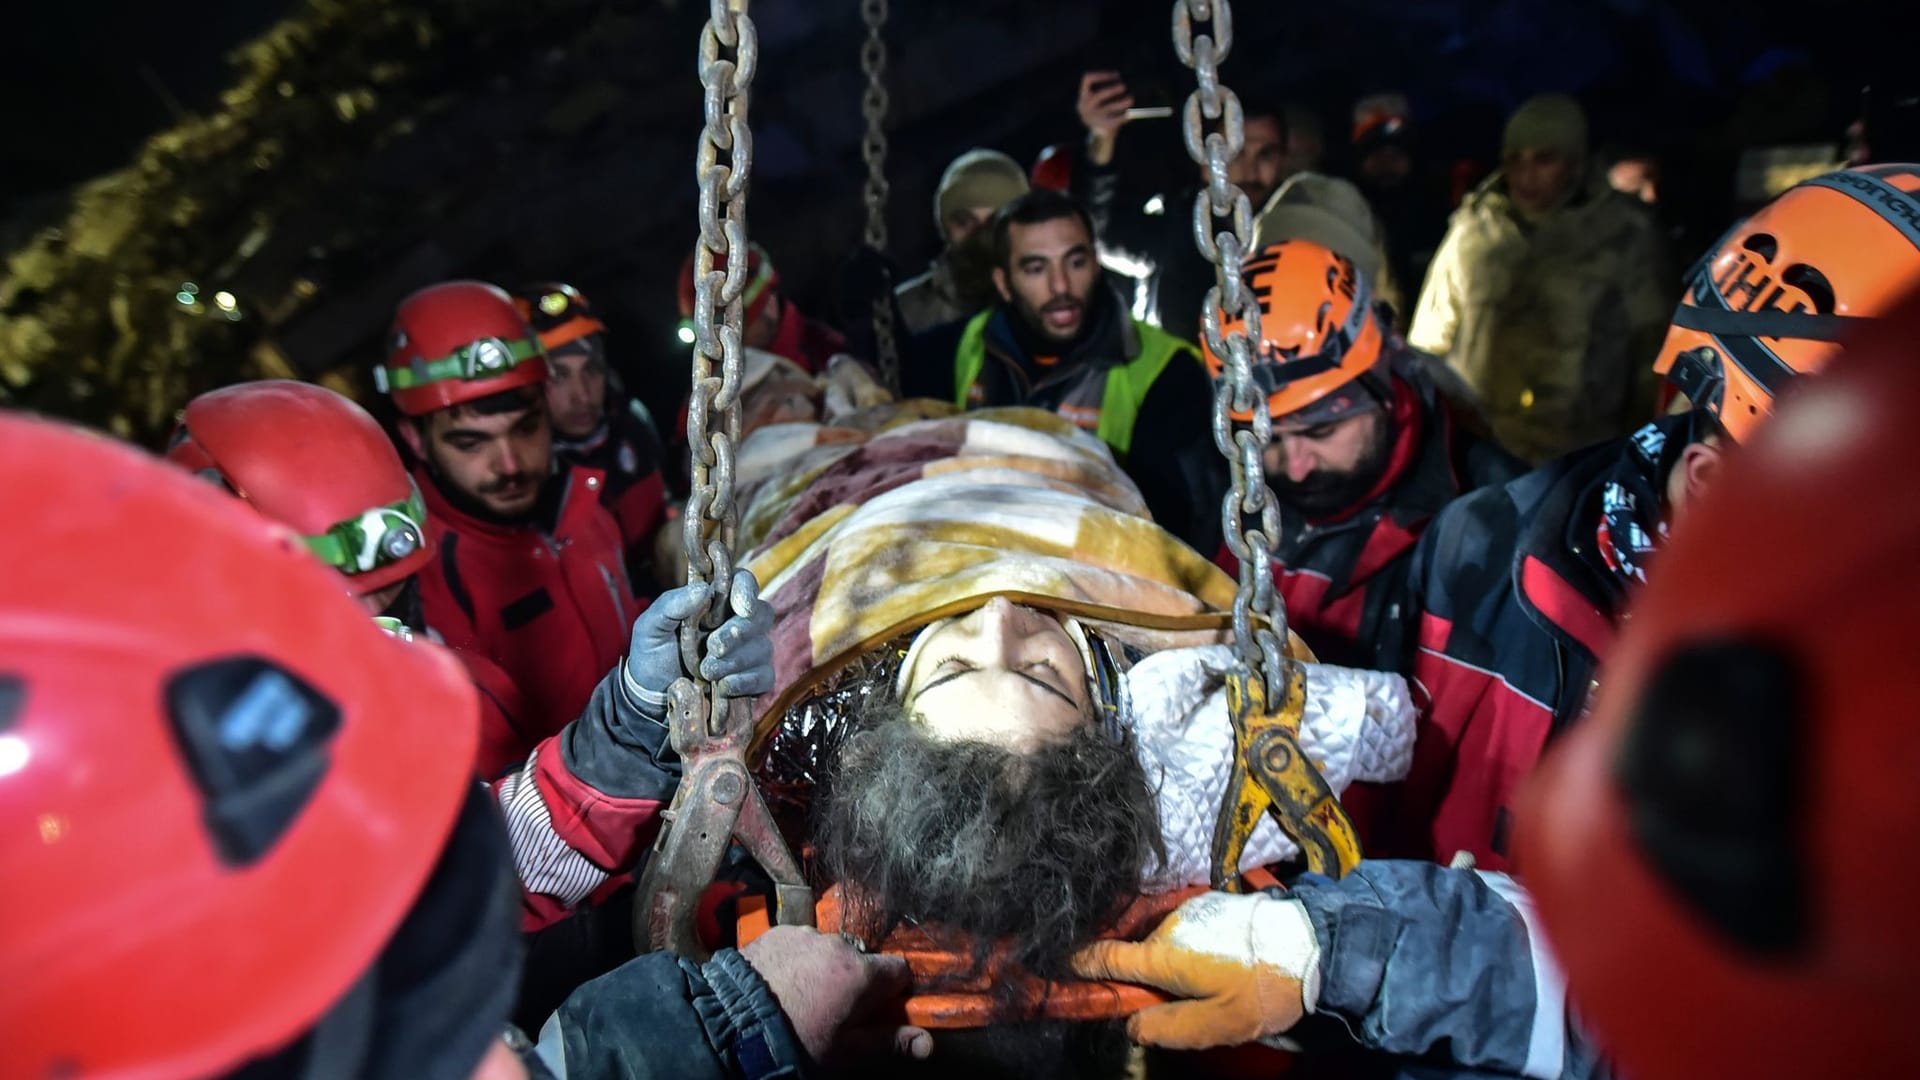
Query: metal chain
(729, 52)
(1222, 228)
(873, 148)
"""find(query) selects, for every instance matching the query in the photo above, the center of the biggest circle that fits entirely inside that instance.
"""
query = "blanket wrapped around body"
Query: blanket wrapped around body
(871, 528)
(869, 537)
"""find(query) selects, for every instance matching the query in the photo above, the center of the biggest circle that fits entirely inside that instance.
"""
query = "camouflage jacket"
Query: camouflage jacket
(1554, 323)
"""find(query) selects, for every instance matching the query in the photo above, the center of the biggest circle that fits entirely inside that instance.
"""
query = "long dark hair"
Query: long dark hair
(1023, 856)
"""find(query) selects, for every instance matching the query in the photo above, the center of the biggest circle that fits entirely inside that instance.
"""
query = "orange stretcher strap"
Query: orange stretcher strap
(943, 1000)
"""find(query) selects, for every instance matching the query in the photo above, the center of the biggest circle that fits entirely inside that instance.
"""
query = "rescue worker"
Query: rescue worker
(596, 424)
(1549, 293)
(1712, 844)
(960, 281)
(1365, 452)
(201, 725)
(1059, 340)
(528, 568)
(772, 322)
(316, 462)
(1178, 274)
(1516, 588)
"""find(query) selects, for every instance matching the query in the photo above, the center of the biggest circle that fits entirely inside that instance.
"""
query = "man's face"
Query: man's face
(1262, 161)
(1325, 468)
(576, 392)
(1004, 674)
(498, 461)
(966, 222)
(1538, 179)
(1050, 276)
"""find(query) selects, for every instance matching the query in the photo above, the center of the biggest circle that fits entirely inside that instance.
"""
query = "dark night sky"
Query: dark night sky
(78, 101)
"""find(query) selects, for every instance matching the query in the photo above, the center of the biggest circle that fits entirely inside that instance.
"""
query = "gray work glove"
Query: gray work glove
(739, 655)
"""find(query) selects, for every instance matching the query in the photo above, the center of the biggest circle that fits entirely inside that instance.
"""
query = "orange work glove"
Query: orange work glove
(1250, 964)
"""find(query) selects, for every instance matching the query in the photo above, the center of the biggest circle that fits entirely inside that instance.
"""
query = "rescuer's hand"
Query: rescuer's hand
(834, 995)
(1103, 106)
(738, 656)
(1248, 964)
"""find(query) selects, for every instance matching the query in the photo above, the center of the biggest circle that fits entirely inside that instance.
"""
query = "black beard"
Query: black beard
(544, 512)
(1325, 494)
(973, 843)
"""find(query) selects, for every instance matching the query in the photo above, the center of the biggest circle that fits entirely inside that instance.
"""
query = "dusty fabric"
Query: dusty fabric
(883, 536)
(1555, 325)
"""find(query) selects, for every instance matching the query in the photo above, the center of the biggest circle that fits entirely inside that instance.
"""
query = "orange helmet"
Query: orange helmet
(223, 786)
(1776, 293)
(1319, 333)
(1725, 839)
(455, 342)
(305, 456)
(558, 313)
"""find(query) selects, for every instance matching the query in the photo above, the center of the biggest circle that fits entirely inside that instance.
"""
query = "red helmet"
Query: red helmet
(223, 785)
(1767, 304)
(457, 341)
(1053, 169)
(558, 313)
(762, 280)
(309, 458)
(1719, 853)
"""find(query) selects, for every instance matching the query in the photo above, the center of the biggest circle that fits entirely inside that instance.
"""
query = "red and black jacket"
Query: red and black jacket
(1514, 615)
(552, 608)
(1345, 580)
(627, 449)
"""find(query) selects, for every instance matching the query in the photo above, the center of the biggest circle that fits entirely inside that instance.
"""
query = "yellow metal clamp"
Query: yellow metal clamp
(1272, 774)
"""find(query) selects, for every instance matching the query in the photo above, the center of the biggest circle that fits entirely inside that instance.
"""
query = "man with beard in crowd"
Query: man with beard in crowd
(1365, 451)
(1517, 589)
(1060, 340)
(960, 281)
(529, 569)
(1163, 240)
(596, 424)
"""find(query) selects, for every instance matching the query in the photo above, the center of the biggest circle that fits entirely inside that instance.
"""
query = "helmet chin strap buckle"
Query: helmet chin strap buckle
(1698, 373)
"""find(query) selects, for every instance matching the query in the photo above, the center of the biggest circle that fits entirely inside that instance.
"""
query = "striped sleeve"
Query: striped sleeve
(547, 864)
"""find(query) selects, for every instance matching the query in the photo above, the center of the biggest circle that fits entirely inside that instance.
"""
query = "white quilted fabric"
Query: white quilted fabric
(1359, 725)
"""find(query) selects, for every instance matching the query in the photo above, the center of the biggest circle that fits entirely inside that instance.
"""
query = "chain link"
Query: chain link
(729, 52)
(1213, 128)
(873, 148)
